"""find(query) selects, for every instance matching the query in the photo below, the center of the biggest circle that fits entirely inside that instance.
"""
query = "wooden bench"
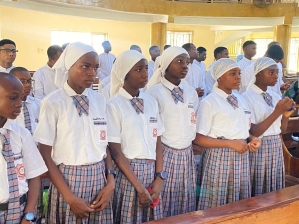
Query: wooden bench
(278, 207)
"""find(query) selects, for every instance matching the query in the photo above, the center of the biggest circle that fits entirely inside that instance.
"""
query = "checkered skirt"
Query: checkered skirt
(3, 215)
(267, 166)
(179, 193)
(224, 177)
(85, 182)
(126, 207)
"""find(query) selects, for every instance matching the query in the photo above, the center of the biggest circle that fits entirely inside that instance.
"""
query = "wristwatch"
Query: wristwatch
(29, 216)
(112, 172)
(162, 175)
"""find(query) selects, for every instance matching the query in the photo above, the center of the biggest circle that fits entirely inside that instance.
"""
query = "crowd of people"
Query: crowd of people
(158, 138)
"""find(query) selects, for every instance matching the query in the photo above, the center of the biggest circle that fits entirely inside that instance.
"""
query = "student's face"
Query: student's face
(230, 80)
(82, 74)
(202, 56)
(137, 77)
(7, 57)
(223, 54)
(268, 76)
(155, 53)
(250, 50)
(193, 53)
(11, 93)
(178, 68)
(26, 80)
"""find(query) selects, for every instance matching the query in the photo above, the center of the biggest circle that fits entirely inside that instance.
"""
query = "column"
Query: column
(158, 34)
(282, 34)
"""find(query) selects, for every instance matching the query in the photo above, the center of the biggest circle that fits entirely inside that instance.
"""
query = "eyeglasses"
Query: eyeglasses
(29, 82)
(9, 51)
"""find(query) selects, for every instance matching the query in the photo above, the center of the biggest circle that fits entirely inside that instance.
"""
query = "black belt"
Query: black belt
(4, 206)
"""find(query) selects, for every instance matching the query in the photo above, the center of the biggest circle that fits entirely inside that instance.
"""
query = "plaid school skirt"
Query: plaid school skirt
(179, 192)
(125, 204)
(3, 215)
(224, 177)
(85, 182)
(267, 166)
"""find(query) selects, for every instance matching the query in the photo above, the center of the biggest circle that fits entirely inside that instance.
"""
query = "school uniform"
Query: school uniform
(105, 64)
(267, 163)
(6, 70)
(177, 108)
(201, 65)
(151, 65)
(136, 126)
(44, 82)
(195, 77)
(106, 92)
(20, 160)
(224, 172)
(75, 126)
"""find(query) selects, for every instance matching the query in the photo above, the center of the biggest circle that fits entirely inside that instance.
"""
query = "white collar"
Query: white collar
(70, 92)
(169, 85)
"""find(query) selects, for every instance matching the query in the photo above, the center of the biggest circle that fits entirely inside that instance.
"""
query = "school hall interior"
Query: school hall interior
(34, 25)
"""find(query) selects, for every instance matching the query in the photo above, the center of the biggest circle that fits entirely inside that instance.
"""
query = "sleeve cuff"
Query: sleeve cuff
(43, 141)
(36, 172)
(114, 139)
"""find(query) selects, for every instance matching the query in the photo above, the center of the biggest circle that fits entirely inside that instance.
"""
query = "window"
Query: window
(293, 56)
(93, 39)
(179, 38)
(261, 46)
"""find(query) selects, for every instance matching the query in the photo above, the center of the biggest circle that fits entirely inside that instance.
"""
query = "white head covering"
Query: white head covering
(259, 65)
(222, 66)
(157, 63)
(121, 67)
(166, 58)
(69, 56)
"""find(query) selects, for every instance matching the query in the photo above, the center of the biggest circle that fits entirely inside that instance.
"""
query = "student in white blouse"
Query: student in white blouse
(270, 115)
(8, 55)
(219, 52)
(20, 161)
(223, 130)
(44, 77)
(106, 60)
(72, 136)
(154, 51)
(178, 103)
(134, 128)
(195, 77)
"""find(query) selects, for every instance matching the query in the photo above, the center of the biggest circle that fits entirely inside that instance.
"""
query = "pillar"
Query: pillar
(282, 34)
(158, 34)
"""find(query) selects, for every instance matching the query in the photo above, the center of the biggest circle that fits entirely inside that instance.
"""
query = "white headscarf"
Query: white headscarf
(121, 67)
(166, 58)
(157, 63)
(222, 66)
(259, 65)
(69, 56)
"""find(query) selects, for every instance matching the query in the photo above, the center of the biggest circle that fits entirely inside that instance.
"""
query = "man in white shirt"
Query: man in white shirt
(106, 60)
(249, 48)
(194, 77)
(219, 52)
(8, 54)
(202, 55)
(44, 77)
(154, 52)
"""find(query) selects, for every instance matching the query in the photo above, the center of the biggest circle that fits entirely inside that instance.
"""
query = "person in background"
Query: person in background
(166, 46)
(64, 46)
(194, 77)
(219, 52)
(44, 77)
(154, 52)
(136, 48)
(8, 55)
(202, 56)
(106, 60)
